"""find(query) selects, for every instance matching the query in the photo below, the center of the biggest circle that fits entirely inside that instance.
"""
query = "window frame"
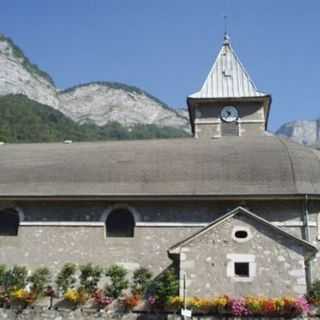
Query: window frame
(241, 258)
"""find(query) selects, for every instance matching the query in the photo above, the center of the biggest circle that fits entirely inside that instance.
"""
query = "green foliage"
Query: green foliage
(118, 281)
(89, 277)
(66, 277)
(39, 280)
(314, 292)
(140, 281)
(3, 270)
(24, 120)
(165, 286)
(32, 68)
(15, 278)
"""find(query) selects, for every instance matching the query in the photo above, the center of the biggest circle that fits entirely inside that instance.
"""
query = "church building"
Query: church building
(234, 208)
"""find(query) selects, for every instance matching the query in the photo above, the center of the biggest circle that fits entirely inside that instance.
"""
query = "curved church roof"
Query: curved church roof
(252, 165)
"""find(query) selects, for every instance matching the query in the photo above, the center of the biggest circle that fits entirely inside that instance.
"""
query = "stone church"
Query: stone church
(235, 208)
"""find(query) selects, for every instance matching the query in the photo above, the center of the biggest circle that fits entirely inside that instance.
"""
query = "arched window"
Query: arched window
(120, 223)
(9, 222)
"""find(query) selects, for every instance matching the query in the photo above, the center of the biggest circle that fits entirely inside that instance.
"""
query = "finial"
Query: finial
(226, 36)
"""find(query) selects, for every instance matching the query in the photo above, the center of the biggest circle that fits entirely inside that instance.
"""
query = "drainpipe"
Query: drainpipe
(306, 231)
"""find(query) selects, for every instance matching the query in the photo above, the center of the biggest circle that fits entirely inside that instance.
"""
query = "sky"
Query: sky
(167, 47)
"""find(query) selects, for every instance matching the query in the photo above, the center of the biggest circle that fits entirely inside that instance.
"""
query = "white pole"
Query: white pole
(184, 294)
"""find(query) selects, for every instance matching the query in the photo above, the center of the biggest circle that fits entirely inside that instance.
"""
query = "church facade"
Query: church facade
(235, 209)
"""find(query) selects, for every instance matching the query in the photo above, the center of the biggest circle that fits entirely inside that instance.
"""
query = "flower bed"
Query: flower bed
(248, 306)
(80, 287)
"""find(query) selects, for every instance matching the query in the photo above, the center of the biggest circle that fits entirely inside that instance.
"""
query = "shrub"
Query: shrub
(15, 278)
(3, 270)
(39, 280)
(141, 281)
(164, 287)
(66, 277)
(314, 292)
(117, 275)
(89, 277)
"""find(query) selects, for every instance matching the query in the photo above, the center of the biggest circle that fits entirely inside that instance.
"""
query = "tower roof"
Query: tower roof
(228, 78)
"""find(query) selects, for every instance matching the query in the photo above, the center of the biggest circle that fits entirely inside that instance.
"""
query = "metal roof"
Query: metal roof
(232, 166)
(228, 78)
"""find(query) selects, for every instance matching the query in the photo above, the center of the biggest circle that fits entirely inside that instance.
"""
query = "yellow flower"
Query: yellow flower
(72, 295)
(76, 296)
(20, 294)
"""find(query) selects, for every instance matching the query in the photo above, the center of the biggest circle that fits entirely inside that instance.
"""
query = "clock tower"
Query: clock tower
(228, 104)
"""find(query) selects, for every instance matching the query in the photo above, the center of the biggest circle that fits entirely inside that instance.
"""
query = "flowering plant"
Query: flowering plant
(218, 304)
(131, 301)
(239, 307)
(101, 300)
(23, 296)
(4, 297)
(76, 296)
(261, 306)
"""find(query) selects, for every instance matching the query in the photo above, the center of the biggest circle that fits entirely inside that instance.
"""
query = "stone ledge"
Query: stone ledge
(41, 313)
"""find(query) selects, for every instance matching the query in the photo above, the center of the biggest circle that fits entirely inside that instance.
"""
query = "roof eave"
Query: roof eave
(165, 197)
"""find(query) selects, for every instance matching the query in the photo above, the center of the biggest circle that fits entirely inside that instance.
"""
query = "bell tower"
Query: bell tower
(228, 104)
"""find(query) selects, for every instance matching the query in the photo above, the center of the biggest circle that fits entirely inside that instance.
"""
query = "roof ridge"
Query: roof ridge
(231, 214)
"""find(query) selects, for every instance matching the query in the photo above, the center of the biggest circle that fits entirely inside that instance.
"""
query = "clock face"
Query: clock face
(229, 114)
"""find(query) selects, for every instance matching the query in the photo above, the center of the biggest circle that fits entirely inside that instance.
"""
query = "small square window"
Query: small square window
(241, 269)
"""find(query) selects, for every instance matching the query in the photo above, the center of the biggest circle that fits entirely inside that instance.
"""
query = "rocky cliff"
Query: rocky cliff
(97, 102)
(302, 131)
(19, 76)
(102, 102)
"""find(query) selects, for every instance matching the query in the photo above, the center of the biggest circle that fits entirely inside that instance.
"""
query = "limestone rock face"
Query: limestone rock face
(105, 102)
(19, 76)
(98, 102)
(302, 131)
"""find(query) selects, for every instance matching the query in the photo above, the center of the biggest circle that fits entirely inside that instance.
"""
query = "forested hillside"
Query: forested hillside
(24, 120)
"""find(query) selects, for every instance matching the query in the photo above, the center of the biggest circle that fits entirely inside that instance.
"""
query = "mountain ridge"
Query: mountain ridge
(305, 132)
(23, 120)
(99, 102)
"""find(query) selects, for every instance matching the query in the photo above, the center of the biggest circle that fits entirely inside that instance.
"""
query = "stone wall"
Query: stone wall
(159, 226)
(208, 118)
(275, 262)
(44, 314)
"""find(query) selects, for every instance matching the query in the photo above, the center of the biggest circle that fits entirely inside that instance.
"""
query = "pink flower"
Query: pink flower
(239, 308)
(302, 305)
(151, 300)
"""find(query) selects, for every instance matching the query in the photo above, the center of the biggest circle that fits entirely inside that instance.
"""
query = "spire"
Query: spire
(227, 78)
